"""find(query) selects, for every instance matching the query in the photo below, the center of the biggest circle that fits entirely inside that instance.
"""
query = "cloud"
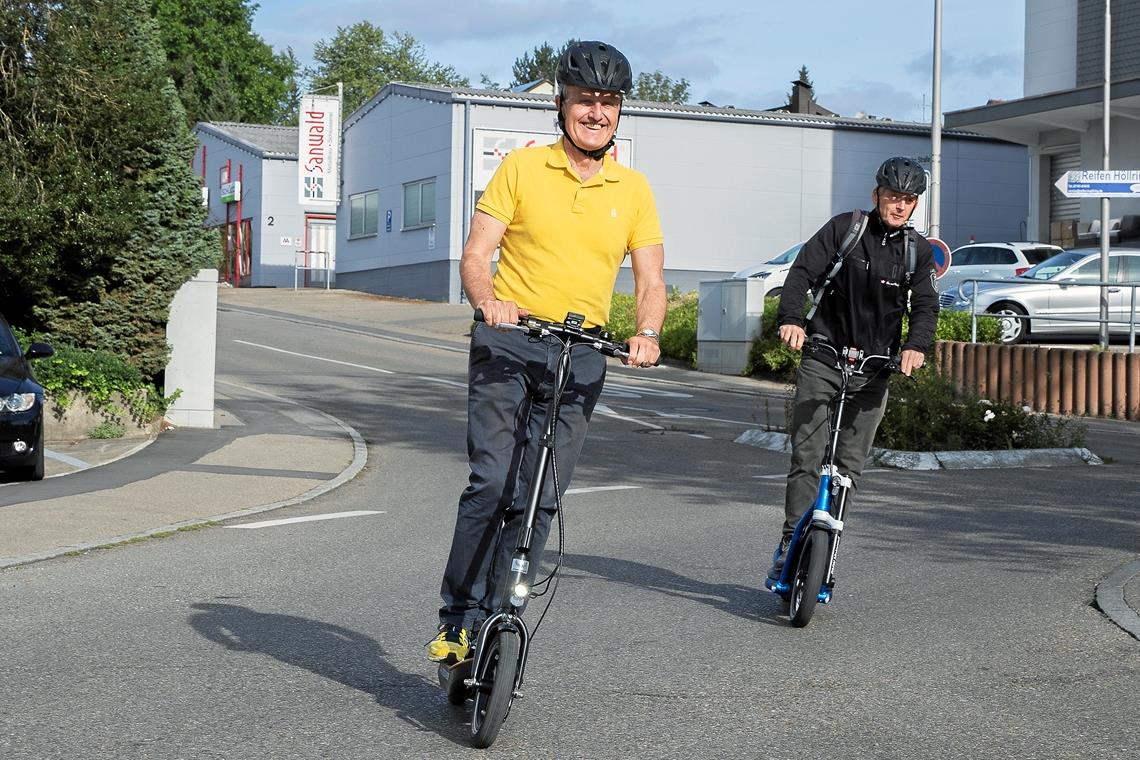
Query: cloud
(959, 67)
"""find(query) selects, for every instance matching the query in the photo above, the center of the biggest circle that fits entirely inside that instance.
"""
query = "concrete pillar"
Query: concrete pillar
(192, 333)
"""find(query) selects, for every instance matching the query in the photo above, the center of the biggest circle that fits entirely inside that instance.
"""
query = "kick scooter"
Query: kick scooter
(808, 575)
(492, 675)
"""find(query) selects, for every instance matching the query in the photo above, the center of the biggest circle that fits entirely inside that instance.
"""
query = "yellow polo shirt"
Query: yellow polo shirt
(566, 238)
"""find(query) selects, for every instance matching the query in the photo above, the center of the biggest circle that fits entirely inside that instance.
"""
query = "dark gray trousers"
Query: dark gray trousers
(510, 388)
(816, 384)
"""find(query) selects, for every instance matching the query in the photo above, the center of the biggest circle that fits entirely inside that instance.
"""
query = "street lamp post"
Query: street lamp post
(935, 196)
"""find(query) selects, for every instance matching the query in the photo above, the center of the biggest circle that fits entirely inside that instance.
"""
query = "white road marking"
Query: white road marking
(317, 358)
(698, 435)
(441, 380)
(600, 488)
(633, 391)
(310, 518)
(784, 474)
(605, 411)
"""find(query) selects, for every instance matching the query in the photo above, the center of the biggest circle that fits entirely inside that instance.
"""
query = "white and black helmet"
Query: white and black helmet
(903, 175)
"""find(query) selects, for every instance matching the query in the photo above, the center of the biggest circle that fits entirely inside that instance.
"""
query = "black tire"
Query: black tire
(1013, 329)
(774, 293)
(810, 567)
(493, 701)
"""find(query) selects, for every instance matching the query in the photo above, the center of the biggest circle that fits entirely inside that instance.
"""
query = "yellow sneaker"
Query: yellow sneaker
(451, 645)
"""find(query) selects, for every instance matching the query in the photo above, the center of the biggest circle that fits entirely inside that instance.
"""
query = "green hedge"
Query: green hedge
(678, 334)
(104, 379)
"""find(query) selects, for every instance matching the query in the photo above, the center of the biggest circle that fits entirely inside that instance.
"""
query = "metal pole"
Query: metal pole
(935, 197)
(1104, 210)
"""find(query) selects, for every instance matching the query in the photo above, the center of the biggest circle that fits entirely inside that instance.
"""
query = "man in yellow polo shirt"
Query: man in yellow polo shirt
(563, 217)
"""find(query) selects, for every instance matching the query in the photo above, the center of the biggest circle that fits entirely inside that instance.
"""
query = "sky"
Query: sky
(870, 58)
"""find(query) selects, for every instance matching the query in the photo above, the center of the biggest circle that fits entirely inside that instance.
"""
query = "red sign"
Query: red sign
(941, 256)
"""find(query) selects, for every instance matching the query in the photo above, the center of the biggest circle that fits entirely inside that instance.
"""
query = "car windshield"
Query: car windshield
(1038, 255)
(8, 346)
(788, 256)
(1054, 265)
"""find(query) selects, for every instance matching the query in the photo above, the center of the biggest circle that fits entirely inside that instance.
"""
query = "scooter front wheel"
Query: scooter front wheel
(496, 685)
(810, 567)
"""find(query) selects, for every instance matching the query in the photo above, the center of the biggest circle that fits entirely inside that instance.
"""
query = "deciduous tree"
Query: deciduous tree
(222, 69)
(100, 212)
(365, 58)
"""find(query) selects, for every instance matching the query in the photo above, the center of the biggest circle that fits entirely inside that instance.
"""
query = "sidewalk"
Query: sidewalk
(268, 452)
(264, 453)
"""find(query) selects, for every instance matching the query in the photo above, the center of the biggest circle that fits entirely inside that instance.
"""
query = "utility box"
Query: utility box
(729, 314)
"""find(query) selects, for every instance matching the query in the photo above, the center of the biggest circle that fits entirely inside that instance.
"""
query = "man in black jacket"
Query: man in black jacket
(861, 306)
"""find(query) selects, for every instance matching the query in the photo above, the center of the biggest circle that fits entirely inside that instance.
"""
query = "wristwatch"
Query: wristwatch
(647, 332)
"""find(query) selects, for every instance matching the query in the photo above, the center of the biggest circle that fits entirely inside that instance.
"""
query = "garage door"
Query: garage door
(1062, 208)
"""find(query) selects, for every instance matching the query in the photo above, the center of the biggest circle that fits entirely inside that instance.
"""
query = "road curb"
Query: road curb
(1110, 598)
(941, 460)
(359, 459)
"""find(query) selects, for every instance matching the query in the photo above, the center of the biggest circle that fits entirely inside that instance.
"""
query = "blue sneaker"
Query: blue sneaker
(778, 557)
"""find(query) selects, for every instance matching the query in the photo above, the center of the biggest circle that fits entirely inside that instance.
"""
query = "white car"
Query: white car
(992, 261)
(772, 272)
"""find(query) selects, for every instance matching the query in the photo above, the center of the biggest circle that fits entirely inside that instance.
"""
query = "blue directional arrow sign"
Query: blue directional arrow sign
(1122, 183)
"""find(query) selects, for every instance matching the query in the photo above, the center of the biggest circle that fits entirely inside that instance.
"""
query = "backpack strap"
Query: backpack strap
(854, 233)
(911, 254)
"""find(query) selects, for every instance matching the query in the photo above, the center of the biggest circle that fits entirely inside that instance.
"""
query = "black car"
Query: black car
(21, 408)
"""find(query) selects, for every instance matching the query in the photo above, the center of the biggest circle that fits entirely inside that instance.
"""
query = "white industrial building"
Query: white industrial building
(249, 172)
(1060, 117)
(733, 187)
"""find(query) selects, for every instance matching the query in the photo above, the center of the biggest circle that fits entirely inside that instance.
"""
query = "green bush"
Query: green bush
(102, 378)
(769, 355)
(927, 414)
(678, 334)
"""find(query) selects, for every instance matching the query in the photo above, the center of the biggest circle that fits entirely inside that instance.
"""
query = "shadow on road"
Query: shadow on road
(752, 603)
(336, 653)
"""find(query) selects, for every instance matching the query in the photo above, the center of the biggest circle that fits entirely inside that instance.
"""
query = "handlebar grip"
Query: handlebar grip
(478, 316)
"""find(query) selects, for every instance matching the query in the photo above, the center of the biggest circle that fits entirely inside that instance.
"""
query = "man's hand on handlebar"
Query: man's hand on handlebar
(910, 361)
(643, 352)
(501, 312)
(793, 336)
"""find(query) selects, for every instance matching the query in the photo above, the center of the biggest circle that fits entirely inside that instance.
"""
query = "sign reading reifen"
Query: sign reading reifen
(318, 151)
(1124, 183)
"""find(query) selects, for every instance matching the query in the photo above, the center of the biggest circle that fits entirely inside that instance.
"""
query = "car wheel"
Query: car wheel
(774, 293)
(1014, 327)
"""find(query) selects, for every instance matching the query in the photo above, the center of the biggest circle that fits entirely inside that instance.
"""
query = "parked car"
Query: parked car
(990, 261)
(1047, 299)
(772, 272)
(21, 408)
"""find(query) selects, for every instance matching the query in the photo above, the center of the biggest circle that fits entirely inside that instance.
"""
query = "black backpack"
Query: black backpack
(854, 234)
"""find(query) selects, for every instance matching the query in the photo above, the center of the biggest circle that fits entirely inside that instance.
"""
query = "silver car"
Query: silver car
(1047, 298)
(993, 261)
(772, 272)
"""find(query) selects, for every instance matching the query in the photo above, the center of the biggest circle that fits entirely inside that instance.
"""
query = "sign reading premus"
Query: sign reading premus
(318, 151)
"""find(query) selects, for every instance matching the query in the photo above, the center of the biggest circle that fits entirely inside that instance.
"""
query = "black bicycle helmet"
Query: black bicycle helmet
(903, 175)
(597, 66)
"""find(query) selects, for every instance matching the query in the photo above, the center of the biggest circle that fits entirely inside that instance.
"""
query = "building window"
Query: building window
(419, 203)
(363, 214)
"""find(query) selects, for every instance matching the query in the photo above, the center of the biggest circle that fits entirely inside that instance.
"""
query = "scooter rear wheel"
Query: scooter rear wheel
(494, 696)
(810, 567)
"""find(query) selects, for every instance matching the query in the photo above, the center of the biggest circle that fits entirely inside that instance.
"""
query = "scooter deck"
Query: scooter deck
(451, 677)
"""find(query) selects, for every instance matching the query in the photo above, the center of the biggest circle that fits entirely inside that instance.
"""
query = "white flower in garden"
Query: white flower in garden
(989, 415)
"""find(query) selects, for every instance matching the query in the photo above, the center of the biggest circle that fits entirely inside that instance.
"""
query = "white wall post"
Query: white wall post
(192, 333)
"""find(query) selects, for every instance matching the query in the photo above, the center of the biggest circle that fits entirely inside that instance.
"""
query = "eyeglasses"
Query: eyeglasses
(890, 196)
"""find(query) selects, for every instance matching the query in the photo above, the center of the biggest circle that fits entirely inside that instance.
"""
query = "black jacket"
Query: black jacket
(864, 304)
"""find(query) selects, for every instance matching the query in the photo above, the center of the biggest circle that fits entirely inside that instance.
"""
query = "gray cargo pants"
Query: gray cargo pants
(510, 387)
(816, 384)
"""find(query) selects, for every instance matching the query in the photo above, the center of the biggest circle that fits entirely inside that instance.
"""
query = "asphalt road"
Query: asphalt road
(962, 626)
